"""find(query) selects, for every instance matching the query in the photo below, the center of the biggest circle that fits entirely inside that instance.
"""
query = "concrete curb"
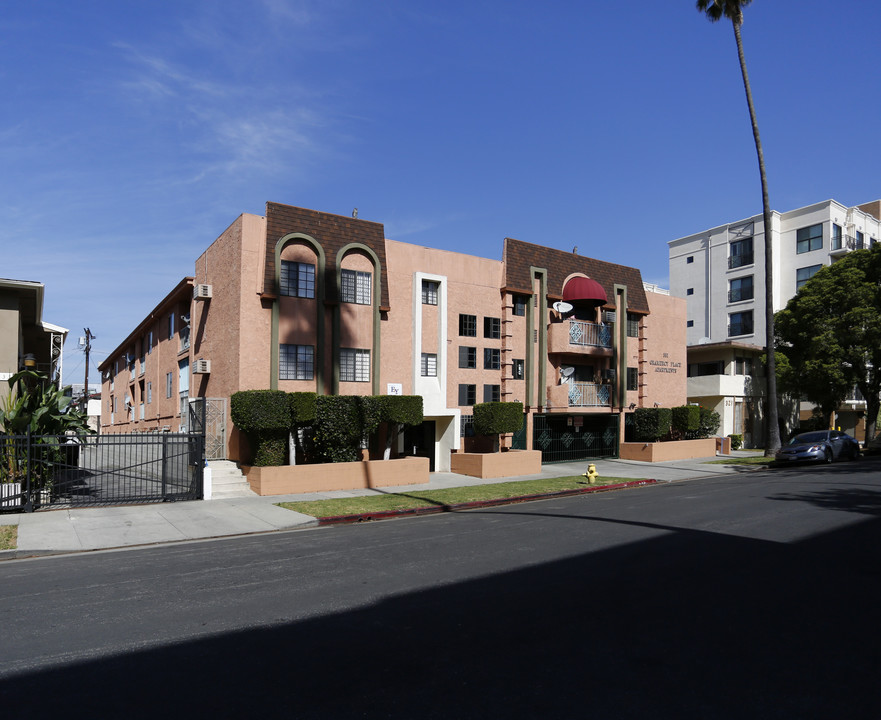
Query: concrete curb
(437, 509)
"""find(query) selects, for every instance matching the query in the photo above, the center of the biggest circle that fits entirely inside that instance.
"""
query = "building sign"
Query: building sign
(665, 366)
(395, 389)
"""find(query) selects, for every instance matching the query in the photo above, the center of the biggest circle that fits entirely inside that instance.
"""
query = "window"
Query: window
(743, 366)
(632, 325)
(740, 289)
(689, 260)
(171, 326)
(689, 323)
(149, 393)
(520, 304)
(802, 275)
(355, 287)
(297, 279)
(169, 384)
(859, 242)
(740, 323)
(491, 393)
(690, 291)
(467, 357)
(809, 238)
(715, 367)
(517, 369)
(492, 359)
(467, 394)
(836, 237)
(468, 325)
(429, 365)
(429, 292)
(632, 378)
(354, 365)
(740, 253)
(466, 425)
(296, 362)
(492, 328)
(149, 342)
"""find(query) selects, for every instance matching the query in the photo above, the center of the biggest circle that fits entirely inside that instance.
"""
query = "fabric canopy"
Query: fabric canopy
(584, 291)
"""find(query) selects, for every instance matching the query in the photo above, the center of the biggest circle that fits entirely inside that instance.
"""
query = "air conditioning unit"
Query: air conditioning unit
(609, 316)
(202, 367)
(609, 374)
(201, 292)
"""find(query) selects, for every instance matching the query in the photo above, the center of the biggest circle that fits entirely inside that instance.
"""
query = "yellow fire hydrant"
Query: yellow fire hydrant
(591, 474)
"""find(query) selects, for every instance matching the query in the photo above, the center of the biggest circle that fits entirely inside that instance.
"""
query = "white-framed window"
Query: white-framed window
(802, 275)
(740, 289)
(809, 238)
(297, 279)
(740, 323)
(429, 365)
(296, 362)
(355, 286)
(354, 365)
(429, 292)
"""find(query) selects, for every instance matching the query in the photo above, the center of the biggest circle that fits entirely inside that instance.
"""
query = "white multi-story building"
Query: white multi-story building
(721, 274)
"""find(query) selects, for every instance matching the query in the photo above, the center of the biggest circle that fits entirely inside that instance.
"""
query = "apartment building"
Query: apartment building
(26, 340)
(301, 300)
(721, 274)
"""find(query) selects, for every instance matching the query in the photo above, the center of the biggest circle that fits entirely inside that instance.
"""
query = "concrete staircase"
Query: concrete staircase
(227, 481)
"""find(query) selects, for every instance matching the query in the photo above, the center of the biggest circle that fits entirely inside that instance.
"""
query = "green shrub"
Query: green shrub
(403, 409)
(495, 418)
(652, 424)
(709, 423)
(338, 427)
(686, 420)
(302, 407)
(265, 417)
(736, 441)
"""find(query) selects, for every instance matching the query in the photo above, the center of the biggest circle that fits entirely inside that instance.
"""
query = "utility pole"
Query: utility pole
(88, 347)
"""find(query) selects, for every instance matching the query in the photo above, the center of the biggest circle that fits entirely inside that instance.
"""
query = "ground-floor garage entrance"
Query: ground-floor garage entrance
(567, 438)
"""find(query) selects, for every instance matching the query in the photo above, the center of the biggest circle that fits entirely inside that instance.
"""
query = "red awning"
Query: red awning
(584, 291)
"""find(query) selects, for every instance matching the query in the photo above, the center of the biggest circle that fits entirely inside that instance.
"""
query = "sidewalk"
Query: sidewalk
(51, 532)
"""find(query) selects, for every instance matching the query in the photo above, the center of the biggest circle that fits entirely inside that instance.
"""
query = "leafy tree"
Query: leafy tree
(733, 10)
(830, 334)
(496, 418)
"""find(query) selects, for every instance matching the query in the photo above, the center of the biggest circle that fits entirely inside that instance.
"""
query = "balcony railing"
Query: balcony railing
(736, 261)
(741, 294)
(588, 333)
(589, 395)
(740, 328)
(848, 242)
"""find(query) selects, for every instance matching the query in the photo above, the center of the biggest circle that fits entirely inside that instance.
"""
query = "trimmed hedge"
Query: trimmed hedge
(686, 419)
(265, 417)
(403, 409)
(652, 424)
(302, 407)
(736, 441)
(709, 423)
(338, 427)
(496, 418)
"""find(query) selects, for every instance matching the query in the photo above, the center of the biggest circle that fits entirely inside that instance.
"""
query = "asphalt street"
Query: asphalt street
(740, 596)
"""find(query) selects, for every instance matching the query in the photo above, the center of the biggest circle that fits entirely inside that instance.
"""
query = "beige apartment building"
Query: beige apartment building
(301, 300)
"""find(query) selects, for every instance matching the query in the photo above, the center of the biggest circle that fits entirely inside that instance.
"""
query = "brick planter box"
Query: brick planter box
(496, 464)
(290, 479)
(661, 451)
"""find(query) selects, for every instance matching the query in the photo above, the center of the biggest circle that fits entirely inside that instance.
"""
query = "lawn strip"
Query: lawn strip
(396, 504)
(8, 537)
(751, 460)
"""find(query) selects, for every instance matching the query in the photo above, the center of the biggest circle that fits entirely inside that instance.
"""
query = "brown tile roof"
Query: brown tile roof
(333, 232)
(519, 256)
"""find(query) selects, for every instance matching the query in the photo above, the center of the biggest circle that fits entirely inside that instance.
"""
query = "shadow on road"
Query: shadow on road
(688, 624)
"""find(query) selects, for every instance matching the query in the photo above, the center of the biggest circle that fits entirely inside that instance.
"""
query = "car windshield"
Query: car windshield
(810, 437)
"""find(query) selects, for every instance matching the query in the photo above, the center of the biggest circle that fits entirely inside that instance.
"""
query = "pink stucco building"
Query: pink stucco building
(304, 300)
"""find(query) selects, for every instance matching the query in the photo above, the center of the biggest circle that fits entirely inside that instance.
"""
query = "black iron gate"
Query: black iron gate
(41, 471)
(568, 438)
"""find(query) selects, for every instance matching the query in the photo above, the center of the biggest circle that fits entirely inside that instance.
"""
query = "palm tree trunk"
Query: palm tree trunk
(772, 429)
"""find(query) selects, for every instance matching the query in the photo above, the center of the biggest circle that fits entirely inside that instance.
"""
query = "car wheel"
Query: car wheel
(827, 456)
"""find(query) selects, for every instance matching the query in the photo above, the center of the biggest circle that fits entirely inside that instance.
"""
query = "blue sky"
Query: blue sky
(133, 132)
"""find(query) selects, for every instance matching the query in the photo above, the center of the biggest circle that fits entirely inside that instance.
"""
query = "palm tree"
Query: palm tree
(733, 10)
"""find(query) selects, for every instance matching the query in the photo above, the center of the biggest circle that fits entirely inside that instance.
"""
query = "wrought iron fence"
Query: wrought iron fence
(582, 394)
(40, 471)
(582, 332)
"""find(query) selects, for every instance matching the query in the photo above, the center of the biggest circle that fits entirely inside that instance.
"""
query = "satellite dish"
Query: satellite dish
(562, 307)
(567, 371)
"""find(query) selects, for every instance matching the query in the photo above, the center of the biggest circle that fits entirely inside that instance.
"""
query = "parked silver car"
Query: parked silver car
(819, 446)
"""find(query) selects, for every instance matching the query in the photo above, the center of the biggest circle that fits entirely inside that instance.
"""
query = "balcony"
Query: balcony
(736, 261)
(845, 243)
(579, 395)
(580, 336)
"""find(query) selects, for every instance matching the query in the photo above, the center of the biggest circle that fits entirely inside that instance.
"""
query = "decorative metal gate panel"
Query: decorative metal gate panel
(215, 427)
(567, 438)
